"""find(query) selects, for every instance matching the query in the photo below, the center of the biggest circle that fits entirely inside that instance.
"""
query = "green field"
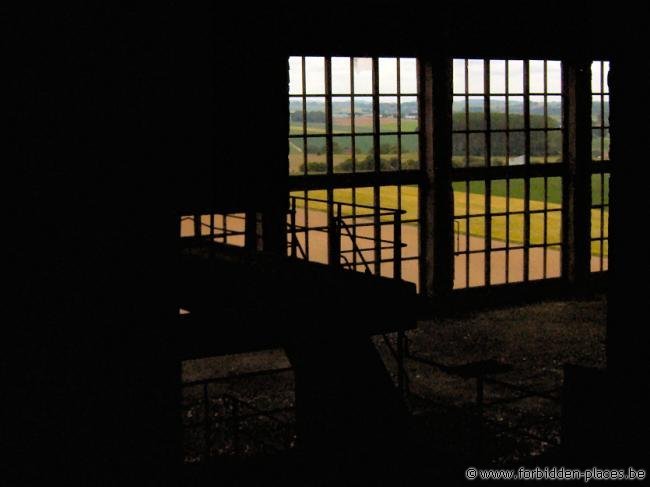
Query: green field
(503, 195)
(389, 195)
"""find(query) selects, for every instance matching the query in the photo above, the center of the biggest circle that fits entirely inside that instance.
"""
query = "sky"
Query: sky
(362, 68)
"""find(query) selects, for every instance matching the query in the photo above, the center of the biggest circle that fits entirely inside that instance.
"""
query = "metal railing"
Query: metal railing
(215, 232)
(236, 412)
(341, 224)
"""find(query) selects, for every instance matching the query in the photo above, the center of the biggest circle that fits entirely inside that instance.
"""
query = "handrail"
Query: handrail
(342, 203)
(339, 225)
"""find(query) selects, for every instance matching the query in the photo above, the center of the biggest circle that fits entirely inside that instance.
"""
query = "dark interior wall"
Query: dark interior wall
(228, 74)
(93, 246)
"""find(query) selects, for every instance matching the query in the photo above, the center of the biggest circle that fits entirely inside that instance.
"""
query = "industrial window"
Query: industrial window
(349, 115)
(354, 118)
(600, 168)
(507, 170)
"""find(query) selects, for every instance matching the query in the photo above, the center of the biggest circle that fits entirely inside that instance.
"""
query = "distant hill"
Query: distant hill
(364, 107)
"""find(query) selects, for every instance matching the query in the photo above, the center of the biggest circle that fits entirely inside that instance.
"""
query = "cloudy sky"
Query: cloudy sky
(362, 70)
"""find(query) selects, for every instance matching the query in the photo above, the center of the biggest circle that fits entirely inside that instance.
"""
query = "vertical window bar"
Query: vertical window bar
(527, 163)
(545, 238)
(507, 123)
(306, 213)
(602, 119)
(353, 121)
(354, 159)
(399, 117)
(329, 156)
(328, 115)
(225, 227)
(467, 185)
(376, 153)
(304, 116)
(602, 221)
(488, 156)
(467, 229)
(467, 116)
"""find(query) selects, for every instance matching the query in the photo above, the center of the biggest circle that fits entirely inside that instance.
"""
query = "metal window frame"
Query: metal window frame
(488, 174)
(602, 168)
(376, 179)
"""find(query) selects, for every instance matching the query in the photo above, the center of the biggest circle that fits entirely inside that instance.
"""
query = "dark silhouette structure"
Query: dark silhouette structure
(117, 128)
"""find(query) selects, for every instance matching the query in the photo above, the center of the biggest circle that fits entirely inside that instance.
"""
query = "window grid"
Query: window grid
(369, 124)
(600, 167)
(376, 132)
(517, 235)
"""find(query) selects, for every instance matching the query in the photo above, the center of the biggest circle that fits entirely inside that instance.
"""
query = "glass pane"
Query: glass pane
(515, 266)
(554, 111)
(459, 75)
(516, 195)
(295, 116)
(537, 105)
(516, 112)
(553, 262)
(477, 154)
(460, 189)
(477, 198)
(363, 114)
(387, 75)
(477, 233)
(296, 156)
(498, 267)
(596, 111)
(536, 263)
(362, 67)
(498, 149)
(537, 76)
(341, 115)
(408, 75)
(315, 115)
(459, 150)
(315, 75)
(340, 75)
(365, 158)
(388, 114)
(516, 229)
(409, 113)
(553, 227)
(410, 202)
(316, 155)
(498, 232)
(388, 147)
(554, 144)
(476, 113)
(515, 77)
(477, 269)
(497, 76)
(460, 275)
(596, 72)
(295, 75)
(554, 77)
(410, 151)
(536, 222)
(537, 147)
(476, 76)
(342, 154)
(458, 113)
